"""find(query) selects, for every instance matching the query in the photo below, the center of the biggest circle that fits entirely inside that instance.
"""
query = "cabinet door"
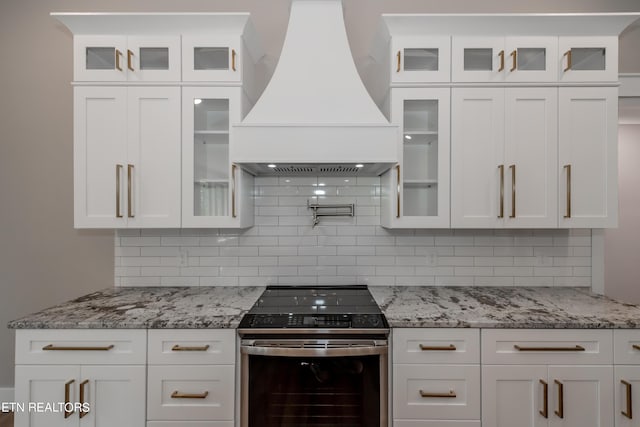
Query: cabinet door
(423, 116)
(116, 395)
(153, 58)
(514, 396)
(477, 152)
(531, 157)
(420, 59)
(46, 384)
(153, 167)
(478, 59)
(588, 59)
(211, 59)
(100, 58)
(627, 403)
(531, 59)
(588, 157)
(581, 396)
(209, 190)
(100, 156)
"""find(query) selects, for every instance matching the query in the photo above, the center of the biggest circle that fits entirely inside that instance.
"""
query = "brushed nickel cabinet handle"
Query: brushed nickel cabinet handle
(67, 399)
(560, 411)
(628, 413)
(501, 55)
(397, 191)
(118, 173)
(636, 347)
(569, 64)
(451, 394)
(178, 347)
(233, 190)
(501, 169)
(233, 59)
(118, 55)
(449, 347)
(51, 347)
(399, 55)
(513, 191)
(545, 399)
(129, 61)
(576, 348)
(568, 169)
(83, 413)
(514, 64)
(129, 203)
(178, 395)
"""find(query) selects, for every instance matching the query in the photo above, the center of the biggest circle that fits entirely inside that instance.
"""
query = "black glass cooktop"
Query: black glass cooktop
(315, 307)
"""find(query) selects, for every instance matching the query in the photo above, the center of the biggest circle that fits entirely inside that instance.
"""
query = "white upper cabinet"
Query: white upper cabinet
(588, 157)
(589, 59)
(211, 58)
(510, 59)
(421, 59)
(122, 58)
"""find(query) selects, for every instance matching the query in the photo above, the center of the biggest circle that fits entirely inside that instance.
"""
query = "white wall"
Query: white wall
(622, 245)
(43, 260)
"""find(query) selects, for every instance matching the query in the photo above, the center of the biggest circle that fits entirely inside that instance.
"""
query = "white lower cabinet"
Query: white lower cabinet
(105, 370)
(191, 378)
(436, 377)
(528, 389)
(626, 382)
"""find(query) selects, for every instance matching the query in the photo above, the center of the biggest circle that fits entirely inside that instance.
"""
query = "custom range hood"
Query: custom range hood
(315, 115)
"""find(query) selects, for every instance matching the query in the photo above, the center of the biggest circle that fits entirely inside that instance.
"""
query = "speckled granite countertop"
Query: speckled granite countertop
(404, 306)
(152, 308)
(502, 307)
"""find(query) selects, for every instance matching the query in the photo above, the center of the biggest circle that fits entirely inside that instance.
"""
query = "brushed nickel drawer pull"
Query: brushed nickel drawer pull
(118, 173)
(514, 65)
(67, 398)
(450, 395)
(397, 191)
(501, 169)
(545, 399)
(513, 191)
(129, 177)
(560, 411)
(178, 347)
(569, 62)
(399, 56)
(449, 347)
(576, 348)
(51, 347)
(568, 169)
(628, 413)
(178, 395)
(501, 55)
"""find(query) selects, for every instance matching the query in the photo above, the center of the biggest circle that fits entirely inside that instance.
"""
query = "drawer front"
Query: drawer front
(440, 345)
(190, 424)
(439, 423)
(626, 347)
(192, 347)
(436, 392)
(81, 346)
(543, 346)
(190, 393)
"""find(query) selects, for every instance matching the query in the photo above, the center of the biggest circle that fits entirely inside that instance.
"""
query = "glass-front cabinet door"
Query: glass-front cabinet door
(421, 59)
(212, 187)
(417, 188)
(588, 58)
(207, 59)
(121, 58)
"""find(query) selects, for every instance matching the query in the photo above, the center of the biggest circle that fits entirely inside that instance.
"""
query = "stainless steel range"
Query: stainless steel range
(314, 356)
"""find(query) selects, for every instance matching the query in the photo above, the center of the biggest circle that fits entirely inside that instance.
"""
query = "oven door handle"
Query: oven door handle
(282, 351)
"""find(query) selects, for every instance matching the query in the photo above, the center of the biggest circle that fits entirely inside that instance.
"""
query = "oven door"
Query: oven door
(314, 383)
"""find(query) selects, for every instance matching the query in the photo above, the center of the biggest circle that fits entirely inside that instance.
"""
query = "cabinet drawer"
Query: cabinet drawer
(450, 392)
(190, 424)
(438, 345)
(192, 347)
(200, 393)
(81, 346)
(623, 347)
(542, 347)
(438, 423)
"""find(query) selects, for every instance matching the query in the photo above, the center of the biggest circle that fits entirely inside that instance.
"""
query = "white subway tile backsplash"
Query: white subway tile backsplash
(284, 248)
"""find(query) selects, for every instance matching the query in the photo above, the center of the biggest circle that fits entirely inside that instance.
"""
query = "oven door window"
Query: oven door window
(314, 391)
